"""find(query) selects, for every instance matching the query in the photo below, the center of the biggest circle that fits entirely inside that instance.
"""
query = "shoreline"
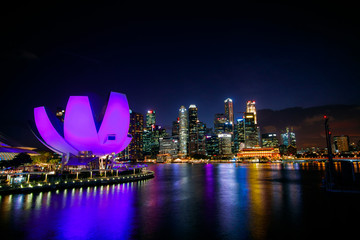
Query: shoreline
(65, 184)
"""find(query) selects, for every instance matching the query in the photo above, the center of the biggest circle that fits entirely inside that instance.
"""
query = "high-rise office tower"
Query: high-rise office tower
(201, 138)
(193, 130)
(183, 131)
(212, 145)
(269, 140)
(219, 123)
(229, 110)
(341, 143)
(225, 144)
(250, 108)
(239, 134)
(169, 145)
(136, 129)
(150, 118)
(288, 137)
(147, 141)
(175, 128)
(148, 135)
(251, 131)
(157, 133)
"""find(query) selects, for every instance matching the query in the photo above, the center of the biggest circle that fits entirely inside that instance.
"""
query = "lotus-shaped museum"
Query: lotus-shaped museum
(80, 132)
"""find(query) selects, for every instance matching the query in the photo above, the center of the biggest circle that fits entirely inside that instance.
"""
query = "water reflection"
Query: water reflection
(183, 201)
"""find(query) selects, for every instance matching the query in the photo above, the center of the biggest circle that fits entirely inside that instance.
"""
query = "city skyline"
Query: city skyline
(149, 120)
(165, 59)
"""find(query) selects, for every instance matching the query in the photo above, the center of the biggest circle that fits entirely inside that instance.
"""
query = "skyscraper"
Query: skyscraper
(288, 137)
(269, 140)
(212, 145)
(147, 141)
(341, 143)
(136, 129)
(219, 123)
(148, 135)
(225, 144)
(150, 118)
(175, 128)
(229, 110)
(201, 138)
(169, 145)
(193, 131)
(157, 133)
(250, 108)
(251, 131)
(183, 131)
(239, 134)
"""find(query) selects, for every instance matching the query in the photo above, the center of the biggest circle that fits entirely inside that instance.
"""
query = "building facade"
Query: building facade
(193, 130)
(270, 153)
(220, 120)
(212, 145)
(341, 143)
(183, 131)
(250, 108)
(225, 144)
(229, 110)
(288, 137)
(251, 131)
(175, 128)
(150, 118)
(269, 140)
(136, 130)
(201, 138)
(239, 134)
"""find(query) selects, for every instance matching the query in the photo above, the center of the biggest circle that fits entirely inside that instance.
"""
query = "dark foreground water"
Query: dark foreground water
(184, 201)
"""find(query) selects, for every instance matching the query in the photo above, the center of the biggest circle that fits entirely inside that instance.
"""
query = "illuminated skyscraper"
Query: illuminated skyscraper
(148, 135)
(193, 131)
(229, 110)
(251, 131)
(269, 140)
(288, 137)
(201, 138)
(183, 131)
(136, 129)
(157, 133)
(239, 134)
(250, 108)
(150, 118)
(169, 145)
(225, 144)
(212, 145)
(219, 123)
(341, 143)
(175, 128)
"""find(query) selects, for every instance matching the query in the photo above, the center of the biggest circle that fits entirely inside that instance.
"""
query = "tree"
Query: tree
(22, 158)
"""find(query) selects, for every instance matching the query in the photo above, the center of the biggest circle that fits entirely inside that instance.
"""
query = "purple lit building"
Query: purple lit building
(80, 133)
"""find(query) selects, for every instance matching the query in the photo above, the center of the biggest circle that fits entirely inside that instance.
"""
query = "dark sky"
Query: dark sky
(165, 56)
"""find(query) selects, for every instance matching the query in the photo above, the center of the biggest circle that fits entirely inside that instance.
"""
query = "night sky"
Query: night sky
(165, 56)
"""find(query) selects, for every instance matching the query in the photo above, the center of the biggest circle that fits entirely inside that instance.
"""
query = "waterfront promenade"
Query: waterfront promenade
(70, 181)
